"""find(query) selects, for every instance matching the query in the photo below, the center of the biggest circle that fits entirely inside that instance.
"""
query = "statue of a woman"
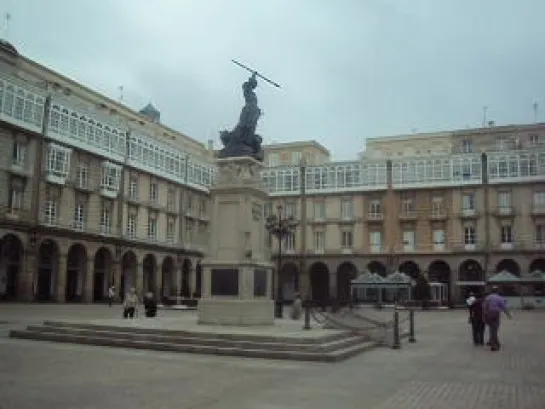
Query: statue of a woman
(250, 112)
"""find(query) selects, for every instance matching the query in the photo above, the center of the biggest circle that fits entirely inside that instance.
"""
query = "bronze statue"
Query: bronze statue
(243, 141)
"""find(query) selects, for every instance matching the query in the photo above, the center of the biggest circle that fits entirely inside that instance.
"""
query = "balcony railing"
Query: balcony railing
(538, 210)
(504, 211)
(375, 217)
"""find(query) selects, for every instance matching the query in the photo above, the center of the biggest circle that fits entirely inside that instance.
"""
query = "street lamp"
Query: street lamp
(280, 227)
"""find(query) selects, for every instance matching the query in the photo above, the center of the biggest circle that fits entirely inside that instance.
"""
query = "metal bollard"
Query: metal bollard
(397, 342)
(307, 316)
(411, 326)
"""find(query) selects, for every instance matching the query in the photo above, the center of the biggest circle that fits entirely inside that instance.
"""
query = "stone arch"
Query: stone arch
(48, 270)
(410, 268)
(377, 267)
(537, 264)
(290, 281)
(11, 256)
(129, 267)
(508, 264)
(76, 271)
(439, 272)
(168, 278)
(185, 285)
(102, 274)
(346, 272)
(319, 282)
(149, 271)
(471, 270)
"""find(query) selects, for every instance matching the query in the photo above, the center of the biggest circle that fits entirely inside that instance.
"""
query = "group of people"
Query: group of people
(485, 312)
(131, 303)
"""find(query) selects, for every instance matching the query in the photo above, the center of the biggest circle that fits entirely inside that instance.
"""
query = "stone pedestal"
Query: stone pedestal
(237, 278)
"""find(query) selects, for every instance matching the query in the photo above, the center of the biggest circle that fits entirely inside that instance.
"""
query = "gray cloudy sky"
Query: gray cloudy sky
(350, 69)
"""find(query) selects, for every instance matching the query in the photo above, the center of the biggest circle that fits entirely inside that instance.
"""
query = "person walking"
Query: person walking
(476, 320)
(494, 304)
(111, 295)
(130, 304)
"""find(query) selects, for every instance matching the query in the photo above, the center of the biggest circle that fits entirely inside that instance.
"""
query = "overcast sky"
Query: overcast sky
(349, 69)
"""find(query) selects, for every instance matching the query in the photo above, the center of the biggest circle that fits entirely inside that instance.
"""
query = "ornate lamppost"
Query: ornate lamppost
(280, 227)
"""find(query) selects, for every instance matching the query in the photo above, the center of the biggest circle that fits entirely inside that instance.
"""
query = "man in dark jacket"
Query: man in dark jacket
(476, 320)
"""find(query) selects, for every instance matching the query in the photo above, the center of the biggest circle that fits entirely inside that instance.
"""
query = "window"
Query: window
(171, 199)
(467, 146)
(375, 239)
(470, 236)
(290, 209)
(267, 210)
(319, 210)
(15, 199)
(534, 141)
(504, 201)
(296, 157)
(375, 209)
(50, 211)
(540, 234)
(289, 242)
(274, 159)
(170, 230)
(539, 200)
(111, 175)
(82, 176)
(19, 153)
(468, 202)
(506, 234)
(79, 216)
(131, 225)
(57, 160)
(408, 240)
(438, 239)
(133, 188)
(319, 241)
(437, 206)
(189, 203)
(347, 239)
(153, 192)
(105, 218)
(152, 226)
(202, 207)
(189, 232)
(407, 206)
(347, 209)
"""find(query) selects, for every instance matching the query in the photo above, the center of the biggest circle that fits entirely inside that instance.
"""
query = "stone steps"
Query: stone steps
(333, 348)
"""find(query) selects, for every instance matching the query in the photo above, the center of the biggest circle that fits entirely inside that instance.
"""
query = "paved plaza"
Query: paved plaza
(442, 370)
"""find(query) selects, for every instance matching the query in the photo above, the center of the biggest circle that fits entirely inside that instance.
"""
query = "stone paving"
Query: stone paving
(442, 370)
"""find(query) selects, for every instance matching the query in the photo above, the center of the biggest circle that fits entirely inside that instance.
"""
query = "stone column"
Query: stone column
(89, 281)
(139, 284)
(193, 280)
(60, 293)
(116, 275)
(158, 285)
(28, 271)
(177, 277)
(304, 285)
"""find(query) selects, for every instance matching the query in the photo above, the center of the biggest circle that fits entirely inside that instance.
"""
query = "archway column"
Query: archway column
(89, 280)
(60, 276)
(25, 288)
(192, 280)
(333, 284)
(176, 281)
(115, 275)
(158, 284)
(139, 285)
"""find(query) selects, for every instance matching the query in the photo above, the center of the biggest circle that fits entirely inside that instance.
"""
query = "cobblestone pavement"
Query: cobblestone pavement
(443, 370)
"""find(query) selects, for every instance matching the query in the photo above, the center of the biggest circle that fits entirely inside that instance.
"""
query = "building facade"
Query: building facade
(94, 194)
(471, 205)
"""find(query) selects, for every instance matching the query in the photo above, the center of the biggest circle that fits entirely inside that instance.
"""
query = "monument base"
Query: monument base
(217, 311)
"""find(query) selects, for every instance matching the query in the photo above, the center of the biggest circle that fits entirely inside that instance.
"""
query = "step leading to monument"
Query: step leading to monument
(324, 349)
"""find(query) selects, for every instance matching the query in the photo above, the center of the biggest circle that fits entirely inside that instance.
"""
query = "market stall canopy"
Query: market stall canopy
(536, 276)
(504, 277)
